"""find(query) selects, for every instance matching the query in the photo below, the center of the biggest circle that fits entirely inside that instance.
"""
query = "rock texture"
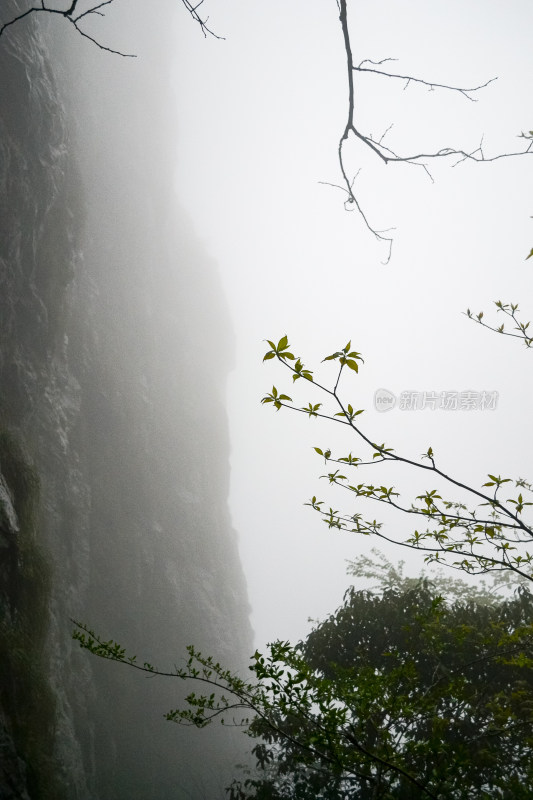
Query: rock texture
(114, 466)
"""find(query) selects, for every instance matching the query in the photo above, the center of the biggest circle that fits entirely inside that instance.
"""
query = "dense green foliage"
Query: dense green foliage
(406, 695)
(420, 689)
(402, 693)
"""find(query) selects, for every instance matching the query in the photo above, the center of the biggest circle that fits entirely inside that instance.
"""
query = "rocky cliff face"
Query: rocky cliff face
(113, 440)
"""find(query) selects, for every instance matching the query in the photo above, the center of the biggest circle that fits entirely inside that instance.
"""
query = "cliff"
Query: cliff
(115, 344)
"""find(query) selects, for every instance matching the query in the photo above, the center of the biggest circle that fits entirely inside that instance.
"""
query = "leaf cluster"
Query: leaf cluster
(379, 700)
(472, 529)
(396, 687)
(511, 310)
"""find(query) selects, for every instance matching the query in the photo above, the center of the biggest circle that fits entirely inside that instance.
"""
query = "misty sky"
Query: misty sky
(260, 116)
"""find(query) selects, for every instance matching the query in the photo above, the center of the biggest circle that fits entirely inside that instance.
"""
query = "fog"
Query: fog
(113, 434)
(261, 114)
(163, 216)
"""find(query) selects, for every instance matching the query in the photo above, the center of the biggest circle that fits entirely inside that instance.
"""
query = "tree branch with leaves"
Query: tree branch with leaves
(284, 688)
(380, 698)
(473, 529)
(519, 329)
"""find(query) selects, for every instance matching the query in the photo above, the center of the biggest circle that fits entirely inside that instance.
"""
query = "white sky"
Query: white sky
(260, 118)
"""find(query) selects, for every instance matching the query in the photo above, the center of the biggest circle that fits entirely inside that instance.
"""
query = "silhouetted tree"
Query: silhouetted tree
(402, 693)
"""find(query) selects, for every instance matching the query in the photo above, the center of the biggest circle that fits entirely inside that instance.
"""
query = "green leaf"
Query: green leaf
(530, 254)
(269, 355)
(352, 364)
(283, 343)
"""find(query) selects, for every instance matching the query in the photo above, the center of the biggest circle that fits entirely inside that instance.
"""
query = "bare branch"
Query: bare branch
(95, 41)
(202, 22)
(94, 10)
(72, 9)
(410, 79)
(70, 15)
(386, 154)
(348, 185)
(20, 16)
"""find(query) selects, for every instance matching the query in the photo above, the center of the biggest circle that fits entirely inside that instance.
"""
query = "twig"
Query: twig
(70, 15)
(510, 309)
(386, 154)
(410, 79)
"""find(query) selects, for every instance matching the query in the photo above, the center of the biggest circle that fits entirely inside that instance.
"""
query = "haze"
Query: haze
(260, 116)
